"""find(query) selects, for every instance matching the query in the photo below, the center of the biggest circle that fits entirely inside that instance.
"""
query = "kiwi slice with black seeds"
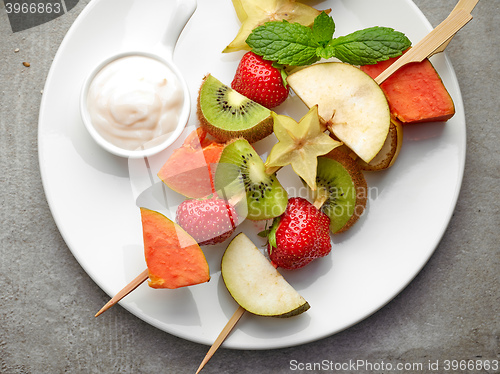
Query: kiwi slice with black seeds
(342, 185)
(226, 114)
(241, 177)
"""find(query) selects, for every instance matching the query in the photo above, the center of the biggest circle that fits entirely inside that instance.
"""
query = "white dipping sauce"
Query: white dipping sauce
(134, 100)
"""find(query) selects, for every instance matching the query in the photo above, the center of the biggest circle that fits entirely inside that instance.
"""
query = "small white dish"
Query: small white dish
(163, 53)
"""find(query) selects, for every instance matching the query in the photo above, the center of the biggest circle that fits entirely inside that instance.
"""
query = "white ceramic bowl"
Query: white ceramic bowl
(179, 18)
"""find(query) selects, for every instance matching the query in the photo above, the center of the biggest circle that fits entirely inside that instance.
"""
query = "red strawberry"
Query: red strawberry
(209, 221)
(299, 236)
(258, 80)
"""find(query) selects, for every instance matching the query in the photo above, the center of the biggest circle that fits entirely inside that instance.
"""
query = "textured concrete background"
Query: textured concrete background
(47, 302)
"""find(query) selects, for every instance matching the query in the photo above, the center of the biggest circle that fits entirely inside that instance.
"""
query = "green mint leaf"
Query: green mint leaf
(323, 29)
(284, 42)
(368, 46)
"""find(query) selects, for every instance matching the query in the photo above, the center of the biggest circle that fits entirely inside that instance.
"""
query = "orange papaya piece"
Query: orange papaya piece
(173, 257)
(190, 169)
(415, 92)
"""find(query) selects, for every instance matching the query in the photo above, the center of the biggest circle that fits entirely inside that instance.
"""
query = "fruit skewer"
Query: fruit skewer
(435, 42)
(142, 277)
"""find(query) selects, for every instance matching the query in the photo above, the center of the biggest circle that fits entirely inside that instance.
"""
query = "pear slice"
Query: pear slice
(255, 284)
(253, 13)
(300, 144)
(390, 150)
(350, 102)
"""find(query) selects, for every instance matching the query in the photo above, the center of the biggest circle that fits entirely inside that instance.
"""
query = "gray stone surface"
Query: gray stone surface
(47, 302)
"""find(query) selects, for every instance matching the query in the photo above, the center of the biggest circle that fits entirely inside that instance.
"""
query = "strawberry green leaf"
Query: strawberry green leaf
(263, 233)
(272, 232)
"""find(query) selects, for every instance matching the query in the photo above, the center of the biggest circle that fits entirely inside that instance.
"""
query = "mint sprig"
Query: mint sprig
(296, 45)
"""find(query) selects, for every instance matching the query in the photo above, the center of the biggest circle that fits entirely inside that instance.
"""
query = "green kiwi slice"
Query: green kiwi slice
(241, 177)
(226, 114)
(342, 185)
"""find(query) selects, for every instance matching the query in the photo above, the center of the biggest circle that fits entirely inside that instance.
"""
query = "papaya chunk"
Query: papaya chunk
(190, 169)
(173, 257)
(415, 92)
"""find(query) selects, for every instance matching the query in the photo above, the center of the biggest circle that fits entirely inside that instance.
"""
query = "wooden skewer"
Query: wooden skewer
(457, 19)
(125, 291)
(222, 336)
(467, 6)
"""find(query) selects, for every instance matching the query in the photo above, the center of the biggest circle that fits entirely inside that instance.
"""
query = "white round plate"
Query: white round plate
(93, 198)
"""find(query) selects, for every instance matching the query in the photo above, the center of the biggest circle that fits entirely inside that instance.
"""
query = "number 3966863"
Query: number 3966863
(33, 8)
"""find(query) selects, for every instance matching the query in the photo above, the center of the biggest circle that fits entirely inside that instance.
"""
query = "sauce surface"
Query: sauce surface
(135, 102)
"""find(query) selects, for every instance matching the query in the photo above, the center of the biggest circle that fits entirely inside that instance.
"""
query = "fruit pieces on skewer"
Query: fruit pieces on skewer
(241, 171)
(234, 149)
(243, 14)
(256, 285)
(295, 239)
(382, 46)
(169, 246)
(172, 250)
(299, 145)
(174, 259)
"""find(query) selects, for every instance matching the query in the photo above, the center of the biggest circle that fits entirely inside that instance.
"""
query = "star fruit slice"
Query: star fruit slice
(253, 13)
(300, 144)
